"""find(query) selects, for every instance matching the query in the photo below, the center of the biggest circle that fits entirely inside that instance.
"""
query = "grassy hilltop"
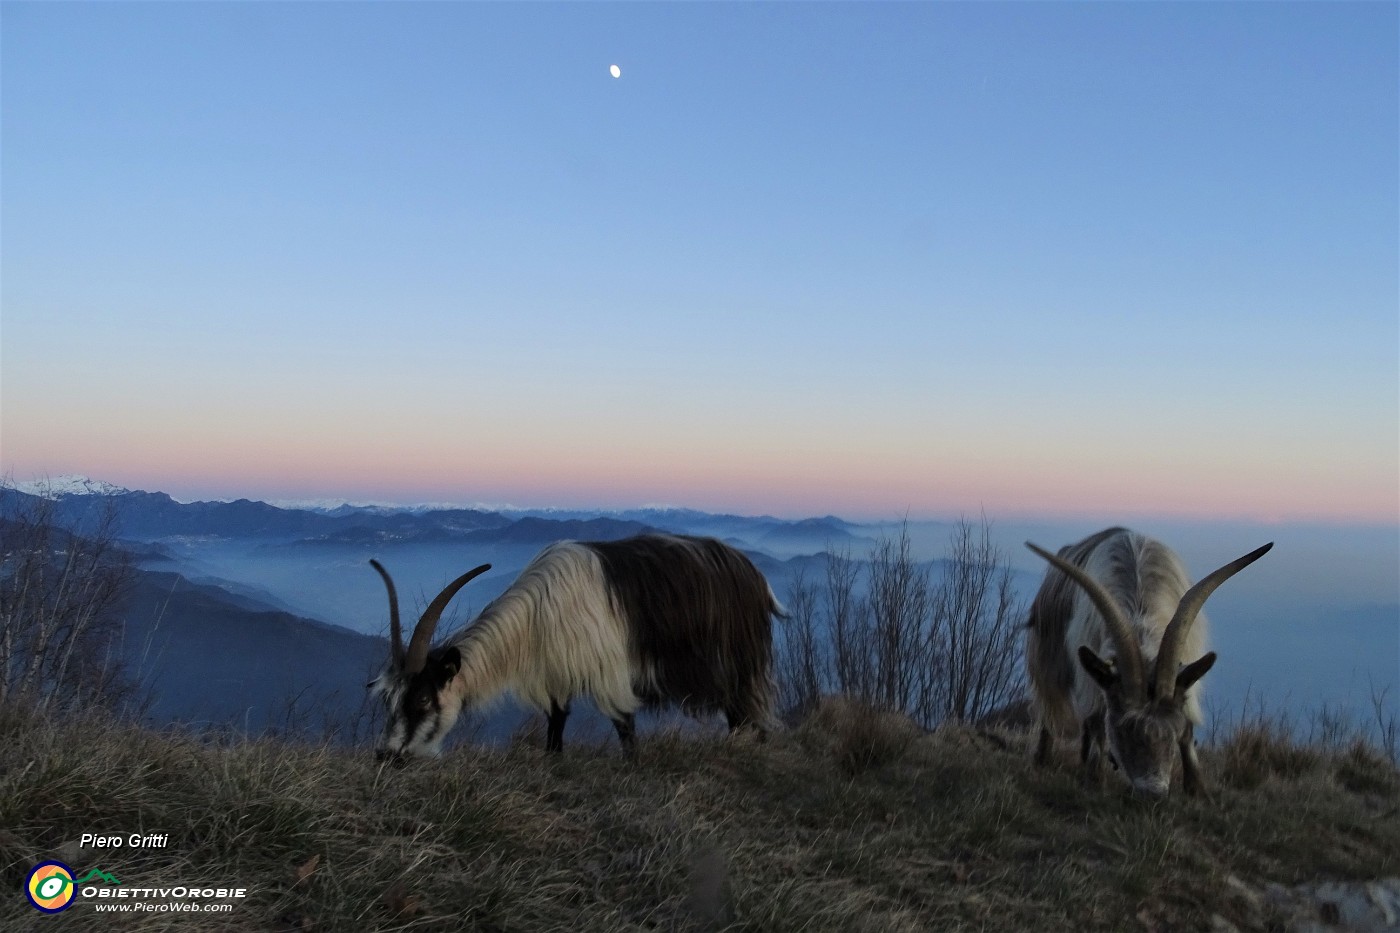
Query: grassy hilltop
(851, 821)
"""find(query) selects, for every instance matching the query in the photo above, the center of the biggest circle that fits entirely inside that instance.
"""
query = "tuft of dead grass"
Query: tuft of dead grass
(1364, 769)
(1261, 750)
(859, 737)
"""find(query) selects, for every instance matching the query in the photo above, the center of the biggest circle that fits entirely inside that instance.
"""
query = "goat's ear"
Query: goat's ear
(1096, 667)
(449, 664)
(1193, 672)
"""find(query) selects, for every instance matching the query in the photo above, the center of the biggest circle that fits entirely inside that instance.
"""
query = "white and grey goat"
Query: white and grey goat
(1120, 603)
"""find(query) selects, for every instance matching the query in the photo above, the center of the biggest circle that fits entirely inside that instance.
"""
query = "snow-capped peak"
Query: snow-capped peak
(72, 485)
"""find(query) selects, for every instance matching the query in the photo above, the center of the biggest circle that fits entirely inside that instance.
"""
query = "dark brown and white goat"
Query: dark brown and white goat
(1119, 603)
(647, 621)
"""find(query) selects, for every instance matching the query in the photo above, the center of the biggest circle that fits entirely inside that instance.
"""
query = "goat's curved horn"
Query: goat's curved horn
(395, 631)
(422, 639)
(1186, 611)
(1121, 634)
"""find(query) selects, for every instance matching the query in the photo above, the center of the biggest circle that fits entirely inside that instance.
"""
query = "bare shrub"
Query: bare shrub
(801, 663)
(902, 626)
(882, 632)
(59, 592)
(978, 618)
(849, 625)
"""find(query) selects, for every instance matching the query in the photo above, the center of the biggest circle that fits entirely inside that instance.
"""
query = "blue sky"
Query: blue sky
(800, 258)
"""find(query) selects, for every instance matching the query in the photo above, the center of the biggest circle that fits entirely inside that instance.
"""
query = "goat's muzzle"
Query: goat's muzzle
(1150, 790)
(397, 759)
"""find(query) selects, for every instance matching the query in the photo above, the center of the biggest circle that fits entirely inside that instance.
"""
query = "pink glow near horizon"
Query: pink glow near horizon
(873, 490)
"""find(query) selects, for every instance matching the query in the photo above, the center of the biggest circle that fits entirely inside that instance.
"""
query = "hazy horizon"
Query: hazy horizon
(1088, 517)
(1313, 563)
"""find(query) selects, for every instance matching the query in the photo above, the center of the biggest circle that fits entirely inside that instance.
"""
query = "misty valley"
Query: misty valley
(250, 617)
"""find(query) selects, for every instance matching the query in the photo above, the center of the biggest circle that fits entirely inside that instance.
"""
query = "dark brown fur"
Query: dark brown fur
(700, 616)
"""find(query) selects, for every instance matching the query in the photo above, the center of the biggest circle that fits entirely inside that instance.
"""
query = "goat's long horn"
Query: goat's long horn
(422, 639)
(395, 631)
(1186, 611)
(1129, 654)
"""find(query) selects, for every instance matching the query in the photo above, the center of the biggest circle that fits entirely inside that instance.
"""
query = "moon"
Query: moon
(615, 71)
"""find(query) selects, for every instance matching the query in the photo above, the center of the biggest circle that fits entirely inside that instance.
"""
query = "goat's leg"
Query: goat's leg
(740, 718)
(1092, 751)
(1042, 748)
(554, 739)
(626, 726)
(1191, 779)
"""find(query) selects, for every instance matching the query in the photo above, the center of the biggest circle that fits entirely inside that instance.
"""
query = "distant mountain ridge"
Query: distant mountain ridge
(153, 516)
(657, 515)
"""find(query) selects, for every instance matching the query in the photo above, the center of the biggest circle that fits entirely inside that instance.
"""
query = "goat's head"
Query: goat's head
(1145, 713)
(420, 711)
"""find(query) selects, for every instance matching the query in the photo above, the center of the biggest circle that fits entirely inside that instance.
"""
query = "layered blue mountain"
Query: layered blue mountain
(228, 619)
(206, 657)
(155, 516)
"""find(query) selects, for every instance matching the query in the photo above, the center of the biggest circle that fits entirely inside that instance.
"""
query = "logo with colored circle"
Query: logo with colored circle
(50, 887)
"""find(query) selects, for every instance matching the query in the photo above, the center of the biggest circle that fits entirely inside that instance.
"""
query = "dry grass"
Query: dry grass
(852, 821)
(856, 735)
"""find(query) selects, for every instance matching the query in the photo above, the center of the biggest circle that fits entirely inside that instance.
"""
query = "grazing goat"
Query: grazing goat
(646, 621)
(1120, 601)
